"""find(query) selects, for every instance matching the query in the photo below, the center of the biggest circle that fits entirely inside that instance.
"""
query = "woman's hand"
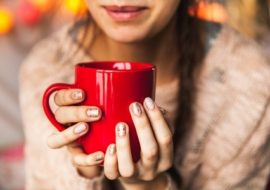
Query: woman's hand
(67, 113)
(153, 132)
(155, 139)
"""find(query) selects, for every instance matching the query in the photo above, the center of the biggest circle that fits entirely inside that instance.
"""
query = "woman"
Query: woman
(219, 104)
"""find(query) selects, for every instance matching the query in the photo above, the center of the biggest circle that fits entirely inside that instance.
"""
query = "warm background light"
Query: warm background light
(6, 21)
(212, 12)
(43, 5)
(75, 6)
(28, 14)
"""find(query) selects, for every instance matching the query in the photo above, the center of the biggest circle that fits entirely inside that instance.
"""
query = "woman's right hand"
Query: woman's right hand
(75, 118)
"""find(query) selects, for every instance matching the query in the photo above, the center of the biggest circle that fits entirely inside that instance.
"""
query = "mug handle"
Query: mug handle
(46, 106)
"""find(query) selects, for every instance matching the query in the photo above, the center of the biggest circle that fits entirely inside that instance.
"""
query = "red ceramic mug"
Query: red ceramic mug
(111, 86)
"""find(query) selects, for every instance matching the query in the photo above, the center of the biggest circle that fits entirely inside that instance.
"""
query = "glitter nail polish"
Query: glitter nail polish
(136, 109)
(121, 130)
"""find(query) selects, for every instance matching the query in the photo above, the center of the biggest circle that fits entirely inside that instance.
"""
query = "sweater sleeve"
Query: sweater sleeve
(46, 169)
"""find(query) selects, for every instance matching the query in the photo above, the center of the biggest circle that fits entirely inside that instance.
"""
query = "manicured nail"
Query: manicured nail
(81, 128)
(136, 109)
(77, 95)
(121, 130)
(112, 149)
(99, 157)
(92, 112)
(150, 105)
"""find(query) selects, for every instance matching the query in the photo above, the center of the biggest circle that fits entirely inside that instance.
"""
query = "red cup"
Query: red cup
(111, 86)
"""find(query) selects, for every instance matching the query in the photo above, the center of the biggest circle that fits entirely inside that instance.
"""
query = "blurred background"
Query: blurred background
(22, 24)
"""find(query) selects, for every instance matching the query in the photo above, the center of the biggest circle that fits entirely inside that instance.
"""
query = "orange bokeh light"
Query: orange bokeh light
(213, 12)
(6, 21)
(43, 5)
(75, 6)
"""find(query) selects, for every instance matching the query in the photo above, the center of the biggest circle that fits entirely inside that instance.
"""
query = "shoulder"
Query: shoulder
(234, 86)
(242, 60)
(49, 52)
(46, 64)
(232, 45)
(243, 50)
(45, 48)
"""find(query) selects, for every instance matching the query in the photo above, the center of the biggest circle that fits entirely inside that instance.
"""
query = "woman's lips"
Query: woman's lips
(124, 13)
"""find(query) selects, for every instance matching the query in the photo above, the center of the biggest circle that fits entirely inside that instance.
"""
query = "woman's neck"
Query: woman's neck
(160, 50)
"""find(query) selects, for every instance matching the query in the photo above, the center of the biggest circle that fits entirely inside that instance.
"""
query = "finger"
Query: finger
(93, 159)
(149, 147)
(124, 157)
(69, 135)
(67, 97)
(163, 111)
(82, 159)
(165, 116)
(74, 114)
(162, 133)
(85, 166)
(110, 163)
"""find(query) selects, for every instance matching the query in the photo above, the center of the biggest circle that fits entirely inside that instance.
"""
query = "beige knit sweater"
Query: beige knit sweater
(228, 148)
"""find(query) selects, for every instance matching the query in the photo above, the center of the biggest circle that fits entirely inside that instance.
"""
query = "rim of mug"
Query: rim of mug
(148, 66)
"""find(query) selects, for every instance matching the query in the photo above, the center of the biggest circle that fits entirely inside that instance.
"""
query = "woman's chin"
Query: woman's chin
(127, 36)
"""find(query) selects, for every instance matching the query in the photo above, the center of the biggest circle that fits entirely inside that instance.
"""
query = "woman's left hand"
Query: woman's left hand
(155, 139)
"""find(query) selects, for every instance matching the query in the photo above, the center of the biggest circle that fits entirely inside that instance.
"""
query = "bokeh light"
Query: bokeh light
(75, 6)
(43, 5)
(28, 14)
(212, 12)
(6, 21)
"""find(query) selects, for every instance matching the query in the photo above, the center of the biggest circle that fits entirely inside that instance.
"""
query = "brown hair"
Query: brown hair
(188, 34)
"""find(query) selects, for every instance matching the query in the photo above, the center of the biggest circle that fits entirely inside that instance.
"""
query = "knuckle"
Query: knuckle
(59, 97)
(151, 154)
(80, 113)
(166, 141)
(52, 141)
(58, 115)
(66, 137)
(56, 98)
(65, 96)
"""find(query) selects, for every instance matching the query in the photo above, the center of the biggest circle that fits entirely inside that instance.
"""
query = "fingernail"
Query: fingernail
(92, 112)
(99, 157)
(136, 109)
(121, 130)
(112, 149)
(77, 95)
(150, 105)
(80, 128)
